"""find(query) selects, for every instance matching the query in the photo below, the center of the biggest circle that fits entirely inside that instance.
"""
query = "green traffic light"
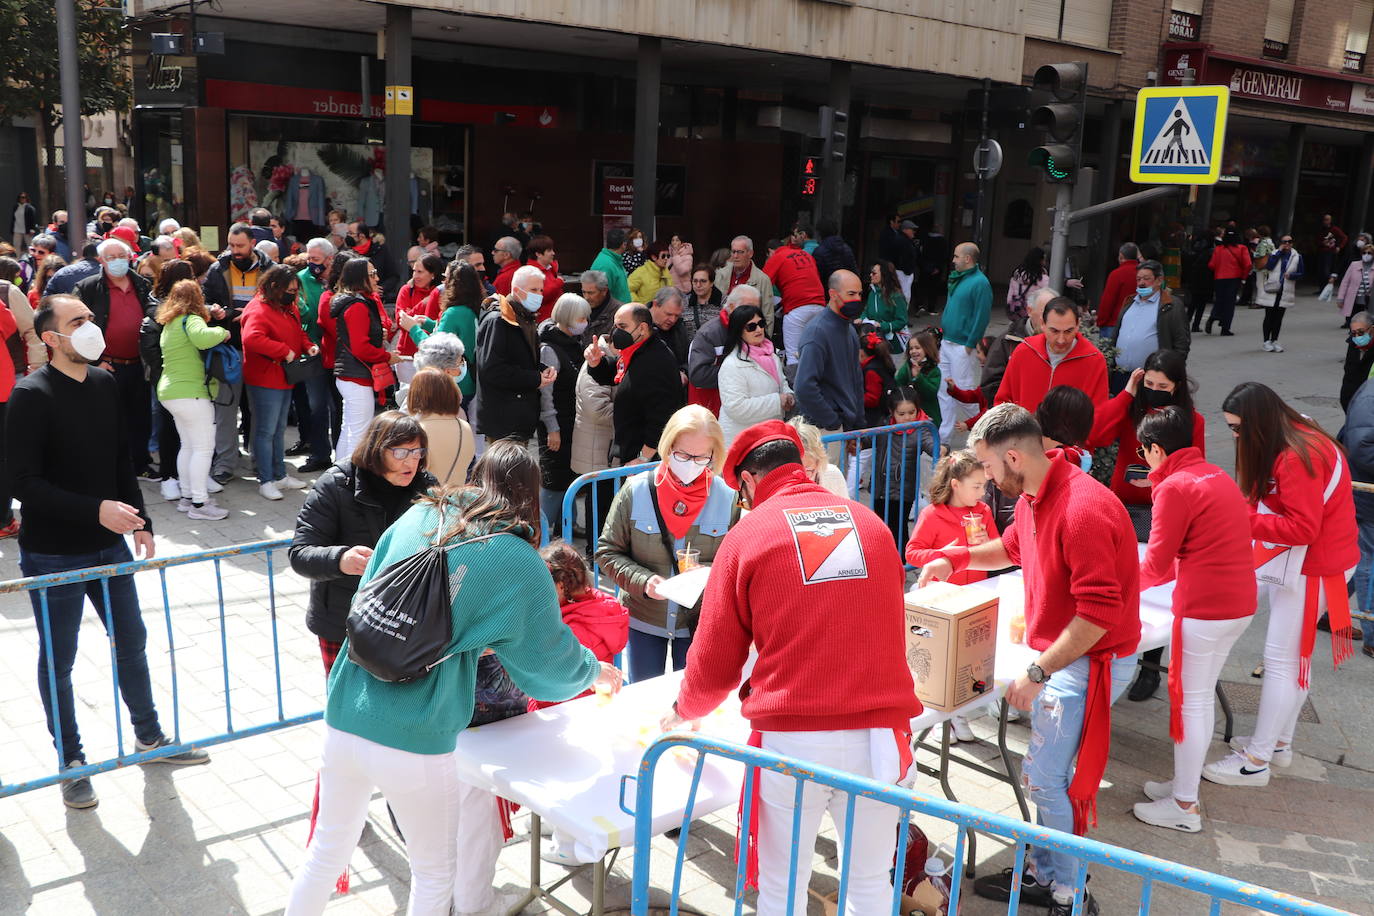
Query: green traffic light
(1053, 170)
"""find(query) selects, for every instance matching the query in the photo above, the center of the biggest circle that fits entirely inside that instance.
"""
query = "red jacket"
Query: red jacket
(1029, 376)
(1077, 549)
(941, 525)
(1113, 423)
(503, 277)
(8, 327)
(270, 333)
(814, 582)
(1230, 262)
(329, 335)
(1120, 284)
(1300, 517)
(600, 623)
(1199, 535)
(419, 302)
(794, 273)
(553, 288)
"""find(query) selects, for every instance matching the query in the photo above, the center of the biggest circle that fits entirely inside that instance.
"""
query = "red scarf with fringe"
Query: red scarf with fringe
(1094, 744)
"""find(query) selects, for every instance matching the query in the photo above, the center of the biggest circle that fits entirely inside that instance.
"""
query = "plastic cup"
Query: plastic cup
(1018, 629)
(603, 693)
(973, 527)
(688, 558)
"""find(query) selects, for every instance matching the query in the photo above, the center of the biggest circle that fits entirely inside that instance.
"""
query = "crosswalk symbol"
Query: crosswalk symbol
(1179, 133)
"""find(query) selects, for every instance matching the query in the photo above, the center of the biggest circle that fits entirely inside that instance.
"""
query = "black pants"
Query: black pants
(168, 444)
(135, 401)
(6, 503)
(1197, 307)
(1224, 304)
(894, 513)
(1273, 321)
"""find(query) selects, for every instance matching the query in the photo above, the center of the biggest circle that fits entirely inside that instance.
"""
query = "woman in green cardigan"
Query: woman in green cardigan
(459, 302)
(886, 306)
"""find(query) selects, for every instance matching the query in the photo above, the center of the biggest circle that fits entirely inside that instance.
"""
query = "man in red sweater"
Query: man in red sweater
(1119, 286)
(1077, 550)
(814, 582)
(506, 255)
(1058, 355)
(793, 272)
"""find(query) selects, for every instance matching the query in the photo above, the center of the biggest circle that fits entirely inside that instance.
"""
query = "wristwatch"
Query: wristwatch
(1036, 675)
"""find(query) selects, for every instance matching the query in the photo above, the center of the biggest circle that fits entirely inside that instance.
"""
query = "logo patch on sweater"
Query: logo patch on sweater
(827, 544)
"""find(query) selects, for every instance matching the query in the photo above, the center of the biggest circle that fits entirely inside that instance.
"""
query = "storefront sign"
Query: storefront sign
(1354, 61)
(1184, 26)
(669, 199)
(1259, 81)
(1362, 98)
(1275, 49)
(164, 80)
(617, 196)
(328, 103)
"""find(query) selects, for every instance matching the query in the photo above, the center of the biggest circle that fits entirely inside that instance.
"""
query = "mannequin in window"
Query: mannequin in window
(372, 198)
(305, 203)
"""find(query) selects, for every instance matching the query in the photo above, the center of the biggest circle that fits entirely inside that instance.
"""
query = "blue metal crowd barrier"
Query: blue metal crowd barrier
(103, 574)
(1152, 871)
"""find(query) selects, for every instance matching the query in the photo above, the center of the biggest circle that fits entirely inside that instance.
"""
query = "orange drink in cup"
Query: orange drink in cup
(1018, 629)
(974, 530)
(688, 558)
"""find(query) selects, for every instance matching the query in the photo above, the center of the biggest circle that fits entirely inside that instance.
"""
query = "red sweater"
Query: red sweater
(794, 273)
(553, 288)
(1112, 423)
(815, 583)
(359, 330)
(1120, 284)
(1201, 537)
(941, 525)
(1029, 375)
(503, 277)
(417, 301)
(1300, 517)
(269, 334)
(1230, 262)
(8, 326)
(600, 623)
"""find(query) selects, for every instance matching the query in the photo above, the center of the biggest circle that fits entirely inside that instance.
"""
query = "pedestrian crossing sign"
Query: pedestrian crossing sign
(1179, 132)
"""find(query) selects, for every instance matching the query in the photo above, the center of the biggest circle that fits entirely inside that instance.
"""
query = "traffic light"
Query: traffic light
(811, 169)
(834, 133)
(1062, 119)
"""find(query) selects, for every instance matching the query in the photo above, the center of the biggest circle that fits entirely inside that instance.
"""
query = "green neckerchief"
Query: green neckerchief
(956, 275)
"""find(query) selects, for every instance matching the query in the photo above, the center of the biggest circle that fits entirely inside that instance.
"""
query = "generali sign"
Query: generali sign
(1255, 80)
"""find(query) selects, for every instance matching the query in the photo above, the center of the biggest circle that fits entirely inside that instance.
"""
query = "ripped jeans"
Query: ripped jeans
(1047, 770)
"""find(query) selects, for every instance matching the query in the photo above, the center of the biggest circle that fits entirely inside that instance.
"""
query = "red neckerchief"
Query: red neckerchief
(363, 247)
(725, 318)
(680, 503)
(623, 365)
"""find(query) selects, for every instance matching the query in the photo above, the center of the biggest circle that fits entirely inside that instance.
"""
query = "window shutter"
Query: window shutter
(1357, 38)
(1188, 6)
(1041, 19)
(1279, 23)
(1087, 22)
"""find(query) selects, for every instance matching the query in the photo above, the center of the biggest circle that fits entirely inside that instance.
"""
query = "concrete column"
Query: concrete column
(1364, 172)
(397, 216)
(648, 82)
(1288, 191)
(839, 99)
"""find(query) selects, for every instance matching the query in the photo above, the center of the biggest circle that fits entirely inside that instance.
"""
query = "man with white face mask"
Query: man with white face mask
(118, 300)
(508, 360)
(71, 470)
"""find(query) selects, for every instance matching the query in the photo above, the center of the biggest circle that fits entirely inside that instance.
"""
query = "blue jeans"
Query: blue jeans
(319, 393)
(270, 407)
(1048, 768)
(1364, 521)
(649, 653)
(66, 603)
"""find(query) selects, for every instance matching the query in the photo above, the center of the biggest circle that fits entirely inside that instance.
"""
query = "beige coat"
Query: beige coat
(23, 318)
(450, 447)
(593, 430)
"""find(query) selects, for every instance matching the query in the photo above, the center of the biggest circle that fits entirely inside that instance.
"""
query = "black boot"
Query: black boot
(1210, 322)
(1147, 678)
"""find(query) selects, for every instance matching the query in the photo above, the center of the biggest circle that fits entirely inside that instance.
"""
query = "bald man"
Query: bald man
(830, 388)
(965, 320)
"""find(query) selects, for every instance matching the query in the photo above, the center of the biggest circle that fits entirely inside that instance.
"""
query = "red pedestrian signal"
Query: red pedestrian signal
(811, 165)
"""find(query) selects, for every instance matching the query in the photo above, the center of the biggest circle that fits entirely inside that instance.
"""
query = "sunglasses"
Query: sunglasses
(1285, 241)
(753, 325)
(1233, 427)
(401, 454)
(1140, 452)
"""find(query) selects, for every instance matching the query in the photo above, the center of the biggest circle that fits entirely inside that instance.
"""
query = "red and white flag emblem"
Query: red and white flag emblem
(828, 545)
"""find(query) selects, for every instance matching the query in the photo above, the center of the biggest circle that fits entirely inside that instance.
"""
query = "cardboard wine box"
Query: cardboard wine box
(951, 642)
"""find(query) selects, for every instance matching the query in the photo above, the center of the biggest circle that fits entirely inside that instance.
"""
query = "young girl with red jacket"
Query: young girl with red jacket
(599, 622)
(956, 492)
(1297, 480)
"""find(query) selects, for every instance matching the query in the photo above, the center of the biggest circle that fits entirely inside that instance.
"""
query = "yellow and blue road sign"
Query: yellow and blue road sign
(1179, 134)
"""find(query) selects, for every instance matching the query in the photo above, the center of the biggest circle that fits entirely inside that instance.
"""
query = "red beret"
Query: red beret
(752, 438)
(126, 235)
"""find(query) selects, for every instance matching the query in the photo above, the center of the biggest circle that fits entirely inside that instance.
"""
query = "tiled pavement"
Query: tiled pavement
(226, 838)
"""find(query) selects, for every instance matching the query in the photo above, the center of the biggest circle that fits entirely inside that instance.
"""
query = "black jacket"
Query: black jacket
(556, 467)
(645, 398)
(1357, 365)
(833, 254)
(346, 508)
(219, 292)
(508, 376)
(95, 292)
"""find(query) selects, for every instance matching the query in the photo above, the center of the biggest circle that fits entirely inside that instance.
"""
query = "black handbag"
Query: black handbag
(303, 369)
(401, 622)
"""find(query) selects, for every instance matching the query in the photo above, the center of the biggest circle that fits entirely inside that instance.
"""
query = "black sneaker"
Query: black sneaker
(998, 887)
(78, 793)
(315, 464)
(300, 448)
(1146, 683)
(1066, 909)
(223, 477)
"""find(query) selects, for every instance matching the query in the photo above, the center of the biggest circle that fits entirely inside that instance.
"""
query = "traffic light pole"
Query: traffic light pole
(73, 157)
(1064, 216)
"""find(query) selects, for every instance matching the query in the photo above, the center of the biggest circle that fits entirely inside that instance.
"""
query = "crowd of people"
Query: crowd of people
(452, 408)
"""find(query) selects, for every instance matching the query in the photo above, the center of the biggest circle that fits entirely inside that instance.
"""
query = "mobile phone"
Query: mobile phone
(1136, 472)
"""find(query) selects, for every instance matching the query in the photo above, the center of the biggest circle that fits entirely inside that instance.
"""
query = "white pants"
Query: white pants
(864, 752)
(858, 467)
(479, 841)
(904, 281)
(793, 323)
(424, 793)
(1281, 698)
(195, 419)
(1206, 644)
(359, 404)
(959, 365)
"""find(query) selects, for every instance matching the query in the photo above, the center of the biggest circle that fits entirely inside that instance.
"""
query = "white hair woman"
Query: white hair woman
(560, 346)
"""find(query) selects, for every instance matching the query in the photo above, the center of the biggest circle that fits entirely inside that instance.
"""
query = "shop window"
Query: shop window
(1083, 22)
(1019, 221)
(1357, 35)
(1278, 25)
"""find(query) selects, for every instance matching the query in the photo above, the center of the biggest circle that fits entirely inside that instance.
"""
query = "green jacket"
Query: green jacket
(183, 363)
(309, 305)
(613, 266)
(460, 320)
(968, 307)
(927, 386)
(889, 314)
(503, 599)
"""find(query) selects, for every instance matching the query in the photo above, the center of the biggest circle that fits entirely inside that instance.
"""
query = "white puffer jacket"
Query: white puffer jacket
(748, 394)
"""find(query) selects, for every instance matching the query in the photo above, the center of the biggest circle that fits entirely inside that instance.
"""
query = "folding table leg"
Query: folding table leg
(599, 887)
(1012, 777)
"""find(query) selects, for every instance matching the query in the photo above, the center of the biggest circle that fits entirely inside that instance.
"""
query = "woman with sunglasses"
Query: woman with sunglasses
(680, 504)
(1283, 267)
(752, 385)
(1297, 481)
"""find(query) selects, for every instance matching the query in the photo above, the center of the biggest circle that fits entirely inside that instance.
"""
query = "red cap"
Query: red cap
(752, 438)
(125, 235)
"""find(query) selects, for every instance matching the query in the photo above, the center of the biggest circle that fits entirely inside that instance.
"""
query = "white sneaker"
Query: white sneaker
(1236, 770)
(184, 504)
(291, 483)
(269, 491)
(1154, 791)
(1283, 756)
(171, 490)
(1166, 813)
(1277, 347)
(559, 854)
(213, 486)
(505, 902)
(208, 511)
(1269, 346)
(961, 730)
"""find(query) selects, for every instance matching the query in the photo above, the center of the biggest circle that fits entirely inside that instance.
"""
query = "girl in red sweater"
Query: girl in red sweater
(1297, 480)
(599, 622)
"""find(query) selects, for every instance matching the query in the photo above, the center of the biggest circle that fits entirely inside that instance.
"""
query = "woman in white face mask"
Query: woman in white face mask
(560, 348)
(680, 505)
